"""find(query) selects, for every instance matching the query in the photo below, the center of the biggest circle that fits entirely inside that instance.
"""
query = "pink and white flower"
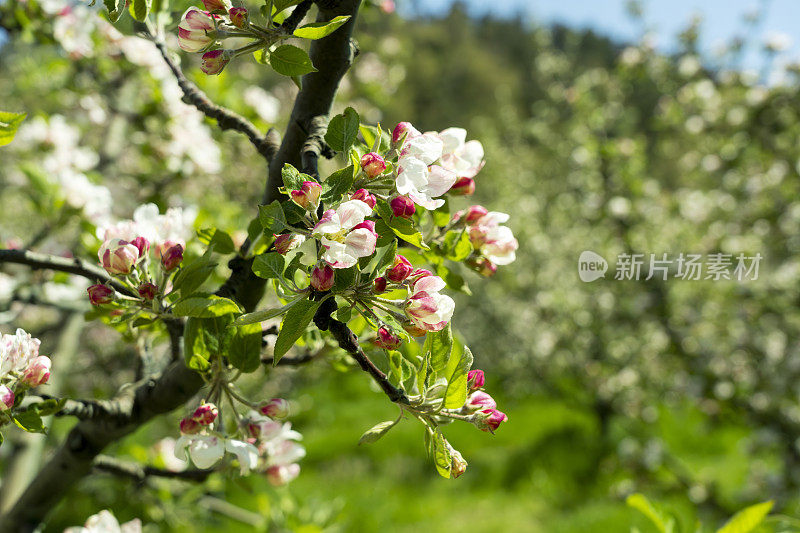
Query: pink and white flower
(495, 242)
(105, 522)
(17, 351)
(6, 398)
(38, 371)
(206, 450)
(196, 30)
(417, 176)
(279, 475)
(345, 235)
(465, 159)
(118, 256)
(427, 308)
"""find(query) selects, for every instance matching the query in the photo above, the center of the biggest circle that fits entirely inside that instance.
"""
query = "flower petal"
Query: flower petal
(352, 213)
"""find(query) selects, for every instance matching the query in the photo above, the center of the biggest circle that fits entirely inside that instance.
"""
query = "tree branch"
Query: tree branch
(75, 266)
(140, 473)
(267, 145)
(293, 20)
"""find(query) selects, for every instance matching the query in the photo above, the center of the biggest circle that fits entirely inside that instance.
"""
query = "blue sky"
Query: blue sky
(722, 19)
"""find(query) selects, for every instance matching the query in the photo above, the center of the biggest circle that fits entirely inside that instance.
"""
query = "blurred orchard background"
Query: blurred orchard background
(610, 126)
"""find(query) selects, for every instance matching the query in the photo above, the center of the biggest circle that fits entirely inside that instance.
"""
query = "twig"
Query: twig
(293, 20)
(140, 473)
(267, 145)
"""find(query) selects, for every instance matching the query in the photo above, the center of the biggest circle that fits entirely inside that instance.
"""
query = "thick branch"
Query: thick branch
(140, 473)
(332, 57)
(267, 145)
(75, 266)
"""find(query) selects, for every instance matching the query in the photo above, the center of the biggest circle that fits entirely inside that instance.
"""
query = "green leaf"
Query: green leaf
(643, 505)
(383, 257)
(221, 241)
(747, 519)
(263, 314)
(292, 179)
(456, 372)
(280, 5)
(441, 455)
(344, 278)
(290, 60)
(439, 344)
(402, 227)
(343, 130)
(29, 420)
(269, 265)
(9, 124)
(377, 431)
(272, 217)
(318, 30)
(50, 406)
(203, 339)
(205, 307)
(457, 245)
(293, 326)
(115, 9)
(337, 184)
(140, 9)
(193, 275)
(244, 348)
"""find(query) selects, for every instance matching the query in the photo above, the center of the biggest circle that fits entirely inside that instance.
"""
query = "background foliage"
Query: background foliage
(684, 390)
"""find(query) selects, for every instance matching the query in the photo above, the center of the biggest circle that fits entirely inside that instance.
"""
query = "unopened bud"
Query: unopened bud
(118, 256)
(475, 379)
(387, 339)
(6, 398)
(100, 294)
(402, 131)
(463, 187)
(216, 5)
(141, 244)
(239, 17)
(148, 290)
(365, 196)
(379, 285)
(483, 266)
(401, 268)
(214, 61)
(172, 257)
(288, 241)
(457, 463)
(190, 426)
(402, 206)
(308, 195)
(489, 419)
(38, 371)
(205, 414)
(373, 165)
(322, 278)
(275, 408)
(479, 400)
(475, 213)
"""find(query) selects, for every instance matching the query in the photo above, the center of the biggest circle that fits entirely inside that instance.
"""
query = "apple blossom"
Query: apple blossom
(214, 61)
(474, 213)
(6, 398)
(100, 294)
(190, 426)
(373, 164)
(204, 450)
(345, 235)
(105, 522)
(196, 30)
(401, 268)
(475, 379)
(205, 414)
(239, 17)
(386, 339)
(489, 419)
(426, 307)
(118, 256)
(404, 131)
(307, 196)
(418, 177)
(161, 230)
(38, 371)
(285, 451)
(275, 408)
(17, 351)
(287, 242)
(148, 290)
(465, 159)
(365, 196)
(172, 257)
(245, 453)
(463, 187)
(379, 285)
(141, 244)
(402, 206)
(495, 242)
(279, 475)
(322, 278)
(479, 400)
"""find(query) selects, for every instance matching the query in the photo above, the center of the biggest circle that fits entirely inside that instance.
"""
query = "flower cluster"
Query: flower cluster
(494, 244)
(482, 406)
(21, 367)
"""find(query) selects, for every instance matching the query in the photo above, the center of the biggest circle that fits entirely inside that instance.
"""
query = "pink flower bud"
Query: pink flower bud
(214, 61)
(275, 408)
(373, 165)
(172, 257)
(189, 426)
(38, 371)
(387, 339)
(196, 30)
(239, 17)
(216, 5)
(322, 278)
(403, 130)
(475, 379)
(479, 400)
(418, 274)
(205, 414)
(414, 330)
(463, 187)
(365, 196)
(100, 294)
(475, 213)
(308, 195)
(402, 206)
(483, 266)
(379, 285)
(6, 398)
(457, 463)
(141, 244)
(148, 290)
(401, 268)
(288, 241)
(118, 256)
(490, 419)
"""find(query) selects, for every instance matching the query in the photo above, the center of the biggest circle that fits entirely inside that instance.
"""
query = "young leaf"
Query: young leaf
(29, 420)
(290, 60)
(140, 9)
(221, 241)
(439, 344)
(263, 314)
(457, 368)
(318, 30)
(269, 265)
(244, 347)
(343, 130)
(457, 245)
(272, 217)
(280, 5)
(293, 326)
(337, 184)
(643, 505)
(205, 307)
(202, 340)
(194, 274)
(747, 519)
(401, 227)
(441, 455)
(377, 431)
(9, 124)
